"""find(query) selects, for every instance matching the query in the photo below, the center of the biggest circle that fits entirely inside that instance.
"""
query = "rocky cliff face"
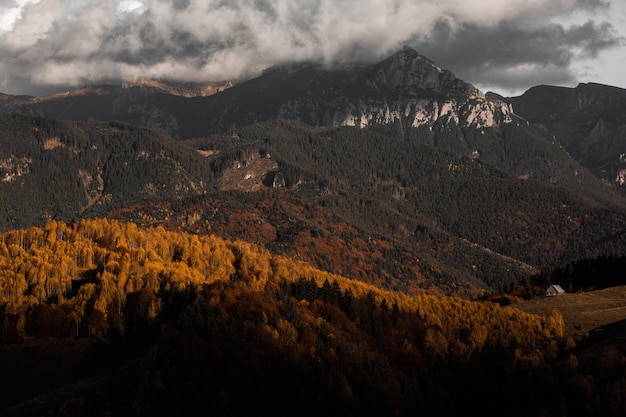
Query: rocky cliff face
(406, 88)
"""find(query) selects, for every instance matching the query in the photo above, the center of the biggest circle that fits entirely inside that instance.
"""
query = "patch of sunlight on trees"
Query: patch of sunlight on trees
(94, 272)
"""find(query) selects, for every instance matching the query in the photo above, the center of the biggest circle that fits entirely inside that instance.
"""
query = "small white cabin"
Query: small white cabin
(554, 290)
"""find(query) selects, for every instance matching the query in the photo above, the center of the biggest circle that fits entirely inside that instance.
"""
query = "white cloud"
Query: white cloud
(9, 14)
(130, 6)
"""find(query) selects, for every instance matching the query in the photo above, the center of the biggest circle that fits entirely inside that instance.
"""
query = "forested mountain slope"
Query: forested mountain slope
(60, 170)
(103, 278)
(402, 213)
(195, 324)
(587, 120)
(398, 186)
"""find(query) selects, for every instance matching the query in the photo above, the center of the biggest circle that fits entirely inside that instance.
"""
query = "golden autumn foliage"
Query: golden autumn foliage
(102, 273)
(229, 322)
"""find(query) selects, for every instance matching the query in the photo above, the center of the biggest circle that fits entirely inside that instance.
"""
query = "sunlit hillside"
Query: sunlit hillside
(197, 324)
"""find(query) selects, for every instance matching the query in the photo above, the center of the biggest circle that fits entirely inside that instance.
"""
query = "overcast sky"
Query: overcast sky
(505, 46)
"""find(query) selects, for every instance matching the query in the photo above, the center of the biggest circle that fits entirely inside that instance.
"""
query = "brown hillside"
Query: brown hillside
(583, 311)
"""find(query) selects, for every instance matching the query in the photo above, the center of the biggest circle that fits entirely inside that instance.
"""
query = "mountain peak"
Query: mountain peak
(408, 58)
(409, 54)
(406, 87)
(408, 69)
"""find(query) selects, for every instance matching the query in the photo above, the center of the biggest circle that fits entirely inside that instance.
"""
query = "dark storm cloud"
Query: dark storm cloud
(515, 55)
(506, 43)
(181, 4)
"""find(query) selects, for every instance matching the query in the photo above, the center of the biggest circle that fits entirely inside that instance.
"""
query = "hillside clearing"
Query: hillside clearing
(583, 311)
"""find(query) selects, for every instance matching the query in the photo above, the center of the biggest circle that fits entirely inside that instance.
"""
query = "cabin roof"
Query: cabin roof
(556, 288)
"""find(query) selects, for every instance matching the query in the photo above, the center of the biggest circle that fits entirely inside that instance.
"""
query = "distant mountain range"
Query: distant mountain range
(396, 173)
(589, 121)
(407, 89)
(404, 91)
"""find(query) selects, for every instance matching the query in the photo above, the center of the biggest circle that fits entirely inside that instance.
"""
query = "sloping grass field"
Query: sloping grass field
(582, 311)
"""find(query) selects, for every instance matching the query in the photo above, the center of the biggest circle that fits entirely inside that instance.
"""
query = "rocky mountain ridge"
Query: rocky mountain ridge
(407, 89)
(183, 89)
(140, 102)
(587, 120)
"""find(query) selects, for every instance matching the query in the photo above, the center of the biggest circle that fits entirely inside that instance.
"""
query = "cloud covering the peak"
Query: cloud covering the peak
(510, 44)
